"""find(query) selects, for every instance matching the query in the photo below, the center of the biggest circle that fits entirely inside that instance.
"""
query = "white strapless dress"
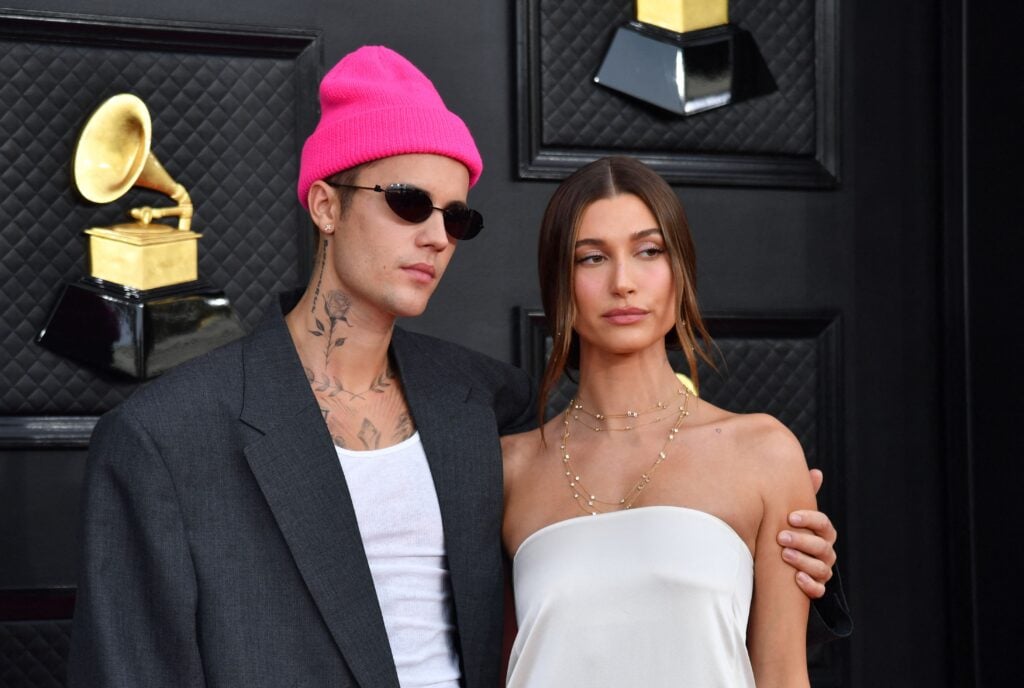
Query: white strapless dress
(650, 597)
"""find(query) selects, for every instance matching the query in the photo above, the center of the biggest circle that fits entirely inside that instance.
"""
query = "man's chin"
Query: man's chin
(410, 309)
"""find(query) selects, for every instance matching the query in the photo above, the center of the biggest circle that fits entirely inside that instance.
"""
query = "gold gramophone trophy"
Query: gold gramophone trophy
(142, 309)
(684, 56)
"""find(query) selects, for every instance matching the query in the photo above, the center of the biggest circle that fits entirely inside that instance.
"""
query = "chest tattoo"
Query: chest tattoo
(369, 435)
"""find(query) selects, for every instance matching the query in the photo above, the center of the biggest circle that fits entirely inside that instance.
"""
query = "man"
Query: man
(319, 503)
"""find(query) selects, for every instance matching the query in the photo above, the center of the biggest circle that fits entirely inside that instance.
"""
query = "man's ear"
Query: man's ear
(324, 207)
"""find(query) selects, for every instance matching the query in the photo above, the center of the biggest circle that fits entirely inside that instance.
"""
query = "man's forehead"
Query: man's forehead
(436, 174)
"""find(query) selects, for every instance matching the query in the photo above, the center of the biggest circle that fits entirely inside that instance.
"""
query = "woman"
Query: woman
(679, 500)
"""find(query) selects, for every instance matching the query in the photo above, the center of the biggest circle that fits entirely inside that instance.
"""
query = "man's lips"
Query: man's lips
(421, 272)
(625, 316)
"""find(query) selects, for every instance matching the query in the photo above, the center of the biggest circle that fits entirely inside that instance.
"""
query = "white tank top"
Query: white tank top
(654, 596)
(400, 524)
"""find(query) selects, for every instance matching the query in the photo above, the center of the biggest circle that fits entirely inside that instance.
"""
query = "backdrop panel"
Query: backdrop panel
(229, 107)
(785, 138)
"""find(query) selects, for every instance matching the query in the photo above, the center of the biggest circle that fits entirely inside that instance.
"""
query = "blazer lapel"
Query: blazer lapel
(459, 436)
(299, 474)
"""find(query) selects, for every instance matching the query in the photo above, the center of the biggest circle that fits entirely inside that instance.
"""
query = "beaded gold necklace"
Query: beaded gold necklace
(588, 501)
(632, 417)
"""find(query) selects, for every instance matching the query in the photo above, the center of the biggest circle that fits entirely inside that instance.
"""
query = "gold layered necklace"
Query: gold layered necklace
(632, 418)
(586, 500)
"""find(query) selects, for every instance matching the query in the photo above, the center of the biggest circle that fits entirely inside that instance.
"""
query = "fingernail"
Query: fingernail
(804, 578)
(796, 519)
(789, 554)
(785, 537)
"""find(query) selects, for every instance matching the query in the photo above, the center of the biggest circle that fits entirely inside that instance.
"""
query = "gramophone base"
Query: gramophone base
(150, 257)
(685, 73)
(139, 334)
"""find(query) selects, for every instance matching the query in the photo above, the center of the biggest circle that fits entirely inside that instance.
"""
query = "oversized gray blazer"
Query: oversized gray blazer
(220, 545)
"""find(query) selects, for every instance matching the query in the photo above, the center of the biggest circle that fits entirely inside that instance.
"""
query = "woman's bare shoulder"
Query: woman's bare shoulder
(521, 449)
(772, 441)
(757, 439)
(771, 452)
(520, 444)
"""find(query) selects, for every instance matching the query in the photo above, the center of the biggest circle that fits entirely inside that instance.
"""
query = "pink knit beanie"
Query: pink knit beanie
(374, 104)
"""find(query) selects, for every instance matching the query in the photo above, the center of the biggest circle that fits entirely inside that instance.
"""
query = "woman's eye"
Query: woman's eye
(651, 251)
(590, 259)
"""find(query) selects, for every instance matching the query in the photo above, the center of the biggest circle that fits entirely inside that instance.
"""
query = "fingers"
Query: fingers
(811, 546)
(811, 553)
(815, 521)
(817, 477)
(812, 557)
(812, 572)
(810, 587)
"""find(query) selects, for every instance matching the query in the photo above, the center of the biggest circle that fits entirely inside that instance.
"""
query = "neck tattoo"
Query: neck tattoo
(332, 386)
(336, 307)
(320, 277)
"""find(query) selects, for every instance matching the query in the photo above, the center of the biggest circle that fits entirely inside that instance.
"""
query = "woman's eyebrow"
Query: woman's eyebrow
(645, 232)
(634, 236)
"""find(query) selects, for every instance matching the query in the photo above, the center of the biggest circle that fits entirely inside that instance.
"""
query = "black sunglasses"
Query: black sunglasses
(415, 205)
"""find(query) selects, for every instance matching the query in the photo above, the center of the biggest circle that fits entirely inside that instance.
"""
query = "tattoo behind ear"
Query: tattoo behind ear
(320, 277)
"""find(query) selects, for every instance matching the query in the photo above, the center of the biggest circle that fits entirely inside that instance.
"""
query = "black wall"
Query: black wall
(923, 548)
(994, 244)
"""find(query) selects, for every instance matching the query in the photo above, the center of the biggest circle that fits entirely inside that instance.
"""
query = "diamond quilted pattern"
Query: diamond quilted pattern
(776, 376)
(575, 112)
(224, 125)
(33, 654)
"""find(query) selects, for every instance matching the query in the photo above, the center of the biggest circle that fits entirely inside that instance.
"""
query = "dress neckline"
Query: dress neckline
(669, 508)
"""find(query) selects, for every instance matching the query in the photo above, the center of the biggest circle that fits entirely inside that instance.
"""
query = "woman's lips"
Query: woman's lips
(625, 316)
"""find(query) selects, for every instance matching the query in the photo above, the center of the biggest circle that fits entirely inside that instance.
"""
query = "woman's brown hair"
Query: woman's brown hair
(606, 178)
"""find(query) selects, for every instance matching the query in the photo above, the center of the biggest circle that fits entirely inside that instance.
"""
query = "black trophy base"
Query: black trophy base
(685, 73)
(138, 334)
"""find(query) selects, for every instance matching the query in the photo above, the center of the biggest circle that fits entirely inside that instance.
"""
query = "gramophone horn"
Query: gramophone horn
(113, 154)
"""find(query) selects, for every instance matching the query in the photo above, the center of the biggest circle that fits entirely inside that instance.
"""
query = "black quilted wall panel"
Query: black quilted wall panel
(787, 138)
(575, 35)
(225, 125)
(33, 654)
